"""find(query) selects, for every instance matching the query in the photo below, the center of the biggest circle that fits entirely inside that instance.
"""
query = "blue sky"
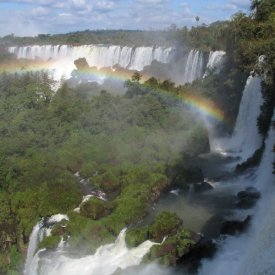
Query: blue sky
(30, 17)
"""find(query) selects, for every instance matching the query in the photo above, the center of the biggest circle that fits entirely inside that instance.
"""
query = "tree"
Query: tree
(136, 77)
(262, 9)
(197, 20)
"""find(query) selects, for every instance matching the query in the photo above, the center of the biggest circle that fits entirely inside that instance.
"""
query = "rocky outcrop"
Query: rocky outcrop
(202, 187)
(235, 226)
(248, 197)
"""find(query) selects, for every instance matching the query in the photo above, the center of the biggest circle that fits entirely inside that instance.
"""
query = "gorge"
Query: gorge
(140, 152)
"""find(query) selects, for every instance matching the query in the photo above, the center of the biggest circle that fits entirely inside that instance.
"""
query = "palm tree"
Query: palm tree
(255, 4)
(197, 19)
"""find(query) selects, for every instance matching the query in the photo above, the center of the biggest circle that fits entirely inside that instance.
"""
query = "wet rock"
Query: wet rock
(235, 227)
(248, 197)
(251, 162)
(202, 187)
(186, 176)
(205, 248)
(174, 247)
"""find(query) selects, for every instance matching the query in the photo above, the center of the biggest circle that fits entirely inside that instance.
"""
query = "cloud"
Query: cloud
(103, 5)
(53, 16)
(152, 2)
(40, 11)
(235, 5)
(59, 5)
(18, 23)
(78, 4)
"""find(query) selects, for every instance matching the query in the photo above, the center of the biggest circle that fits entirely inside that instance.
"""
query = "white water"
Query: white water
(246, 138)
(215, 62)
(252, 253)
(193, 67)
(38, 234)
(57, 218)
(106, 260)
(60, 59)
(33, 243)
(98, 56)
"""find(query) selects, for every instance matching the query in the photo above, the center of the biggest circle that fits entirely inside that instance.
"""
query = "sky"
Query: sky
(32, 17)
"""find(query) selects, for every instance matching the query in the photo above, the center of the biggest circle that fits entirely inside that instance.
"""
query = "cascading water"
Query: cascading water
(59, 59)
(193, 68)
(106, 260)
(252, 253)
(33, 243)
(98, 56)
(246, 138)
(39, 232)
(215, 62)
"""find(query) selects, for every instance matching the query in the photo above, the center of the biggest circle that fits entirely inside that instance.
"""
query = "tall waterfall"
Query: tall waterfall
(106, 260)
(39, 232)
(33, 244)
(99, 56)
(252, 253)
(193, 67)
(246, 138)
(215, 62)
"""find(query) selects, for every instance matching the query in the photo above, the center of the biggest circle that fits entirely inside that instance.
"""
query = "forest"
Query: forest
(133, 147)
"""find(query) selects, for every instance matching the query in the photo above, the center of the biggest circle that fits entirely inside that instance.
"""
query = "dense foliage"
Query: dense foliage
(132, 147)
(122, 144)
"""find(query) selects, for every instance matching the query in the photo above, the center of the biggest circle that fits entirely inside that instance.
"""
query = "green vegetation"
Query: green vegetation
(167, 230)
(122, 144)
(94, 208)
(133, 147)
(173, 248)
(50, 242)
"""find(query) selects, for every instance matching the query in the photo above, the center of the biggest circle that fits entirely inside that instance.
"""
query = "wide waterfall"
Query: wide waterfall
(106, 260)
(246, 138)
(99, 56)
(59, 60)
(253, 252)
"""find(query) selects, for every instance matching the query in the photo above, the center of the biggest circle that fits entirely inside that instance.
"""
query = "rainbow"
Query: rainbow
(203, 106)
(200, 104)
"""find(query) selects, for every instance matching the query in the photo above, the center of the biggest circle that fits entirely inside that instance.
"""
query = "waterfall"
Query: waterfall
(33, 244)
(39, 232)
(106, 260)
(245, 138)
(215, 62)
(193, 67)
(252, 253)
(99, 56)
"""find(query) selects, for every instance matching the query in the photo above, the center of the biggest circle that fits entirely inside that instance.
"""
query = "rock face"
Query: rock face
(202, 187)
(167, 228)
(174, 247)
(248, 197)
(251, 162)
(94, 208)
(205, 248)
(185, 176)
(235, 227)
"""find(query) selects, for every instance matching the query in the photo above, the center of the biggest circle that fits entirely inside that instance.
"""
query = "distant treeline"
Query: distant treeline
(203, 37)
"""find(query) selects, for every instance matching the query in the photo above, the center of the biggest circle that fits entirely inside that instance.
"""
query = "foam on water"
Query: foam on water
(106, 260)
(253, 252)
